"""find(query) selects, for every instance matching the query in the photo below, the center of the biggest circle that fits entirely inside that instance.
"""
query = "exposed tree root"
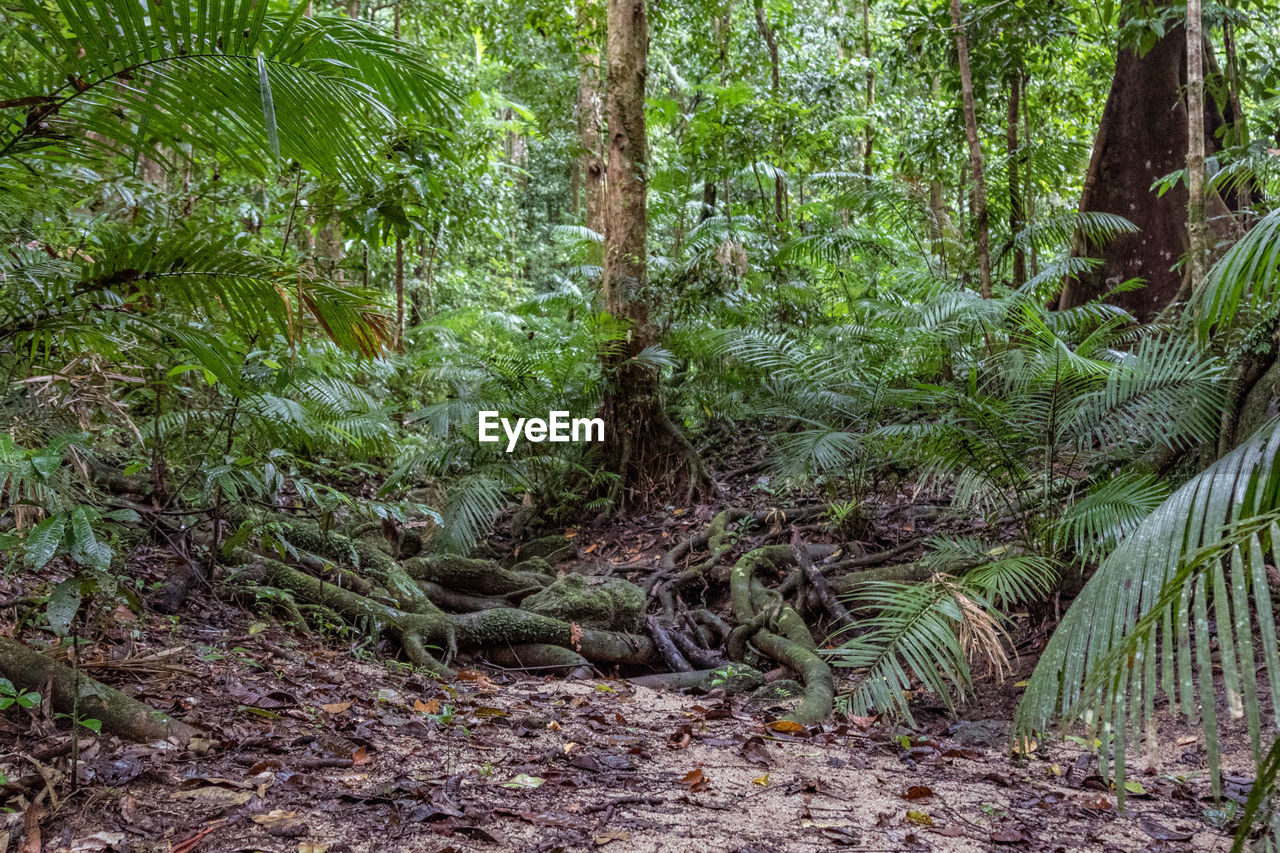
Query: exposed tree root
(793, 644)
(120, 714)
(481, 576)
(539, 656)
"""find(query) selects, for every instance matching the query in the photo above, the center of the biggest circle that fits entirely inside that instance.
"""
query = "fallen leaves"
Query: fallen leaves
(788, 727)
(695, 780)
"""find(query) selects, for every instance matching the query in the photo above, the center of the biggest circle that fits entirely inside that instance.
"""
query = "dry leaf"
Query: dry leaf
(214, 795)
(1026, 746)
(360, 756)
(431, 706)
(337, 707)
(695, 779)
(612, 835)
(786, 726)
(274, 816)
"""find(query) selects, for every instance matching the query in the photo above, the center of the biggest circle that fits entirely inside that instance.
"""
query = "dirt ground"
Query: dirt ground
(322, 749)
(323, 745)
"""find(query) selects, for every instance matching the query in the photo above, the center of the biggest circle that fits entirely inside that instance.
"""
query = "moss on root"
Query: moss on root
(603, 603)
(120, 714)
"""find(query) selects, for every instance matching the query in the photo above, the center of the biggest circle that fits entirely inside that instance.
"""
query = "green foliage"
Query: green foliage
(10, 695)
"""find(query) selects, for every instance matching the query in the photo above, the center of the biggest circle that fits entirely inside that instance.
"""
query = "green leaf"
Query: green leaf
(44, 539)
(64, 604)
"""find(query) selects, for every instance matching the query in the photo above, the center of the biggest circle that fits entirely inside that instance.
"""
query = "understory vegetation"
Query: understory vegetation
(265, 263)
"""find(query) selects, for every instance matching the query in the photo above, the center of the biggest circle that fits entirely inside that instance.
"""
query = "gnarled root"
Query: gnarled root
(793, 644)
(483, 577)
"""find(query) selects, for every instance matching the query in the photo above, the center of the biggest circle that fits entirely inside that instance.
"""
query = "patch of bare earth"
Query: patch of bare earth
(318, 750)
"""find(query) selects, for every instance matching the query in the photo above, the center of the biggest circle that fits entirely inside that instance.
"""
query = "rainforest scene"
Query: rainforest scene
(639, 425)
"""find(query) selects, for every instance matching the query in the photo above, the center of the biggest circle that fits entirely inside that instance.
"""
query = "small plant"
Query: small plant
(10, 695)
(724, 675)
(848, 518)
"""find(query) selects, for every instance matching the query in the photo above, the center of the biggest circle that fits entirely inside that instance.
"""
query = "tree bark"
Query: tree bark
(1142, 137)
(399, 340)
(644, 448)
(1197, 224)
(591, 163)
(981, 225)
(1017, 214)
(868, 142)
(779, 185)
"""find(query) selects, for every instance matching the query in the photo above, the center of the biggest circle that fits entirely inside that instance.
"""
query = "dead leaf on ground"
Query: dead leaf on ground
(97, 843)
(612, 835)
(1009, 835)
(431, 706)
(695, 780)
(1160, 832)
(756, 751)
(785, 726)
(336, 708)
(918, 792)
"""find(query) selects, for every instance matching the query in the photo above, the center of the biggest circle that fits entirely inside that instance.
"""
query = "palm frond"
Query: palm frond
(1141, 623)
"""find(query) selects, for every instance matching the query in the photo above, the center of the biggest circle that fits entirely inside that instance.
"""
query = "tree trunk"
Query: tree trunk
(868, 142)
(1142, 137)
(1017, 214)
(779, 185)
(1197, 225)
(591, 164)
(982, 227)
(644, 448)
(399, 340)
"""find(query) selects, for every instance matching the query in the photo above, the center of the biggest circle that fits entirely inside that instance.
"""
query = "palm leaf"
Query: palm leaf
(1141, 623)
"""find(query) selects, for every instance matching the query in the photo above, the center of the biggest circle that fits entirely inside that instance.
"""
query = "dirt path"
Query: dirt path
(322, 751)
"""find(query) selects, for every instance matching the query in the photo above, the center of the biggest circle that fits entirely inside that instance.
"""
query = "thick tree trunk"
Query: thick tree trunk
(591, 163)
(651, 456)
(981, 225)
(1143, 137)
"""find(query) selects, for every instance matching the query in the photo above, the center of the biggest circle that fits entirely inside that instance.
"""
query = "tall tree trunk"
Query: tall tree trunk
(868, 142)
(1197, 224)
(591, 164)
(399, 340)
(981, 224)
(1143, 136)
(771, 42)
(645, 449)
(1029, 194)
(1016, 211)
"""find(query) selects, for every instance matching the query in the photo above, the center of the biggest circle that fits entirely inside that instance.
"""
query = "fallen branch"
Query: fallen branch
(121, 715)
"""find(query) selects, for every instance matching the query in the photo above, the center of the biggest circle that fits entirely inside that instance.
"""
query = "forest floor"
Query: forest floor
(321, 746)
